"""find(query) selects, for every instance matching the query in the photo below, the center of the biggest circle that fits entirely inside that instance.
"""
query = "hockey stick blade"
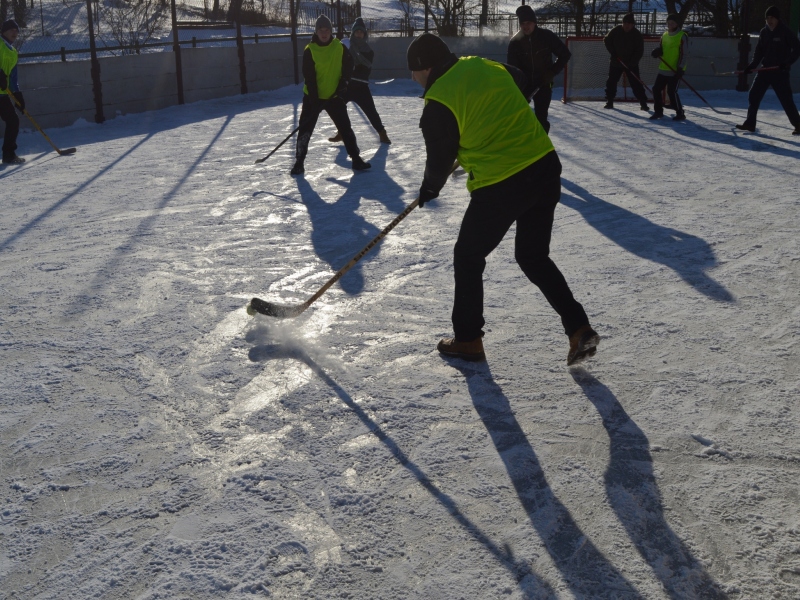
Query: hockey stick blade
(67, 151)
(271, 309)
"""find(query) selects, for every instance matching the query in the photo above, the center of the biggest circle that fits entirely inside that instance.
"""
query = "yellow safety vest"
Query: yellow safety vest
(500, 134)
(328, 66)
(671, 45)
(8, 60)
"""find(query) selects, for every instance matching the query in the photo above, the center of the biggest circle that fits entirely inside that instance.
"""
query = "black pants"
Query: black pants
(528, 198)
(337, 111)
(9, 115)
(779, 80)
(615, 71)
(360, 94)
(541, 104)
(670, 82)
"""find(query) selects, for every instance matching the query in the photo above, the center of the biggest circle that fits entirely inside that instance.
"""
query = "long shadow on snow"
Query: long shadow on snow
(531, 585)
(586, 570)
(338, 231)
(689, 256)
(636, 500)
(109, 270)
(43, 215)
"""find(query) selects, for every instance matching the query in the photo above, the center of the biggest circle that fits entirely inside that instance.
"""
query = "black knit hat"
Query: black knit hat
(358, 25)
(773, 11)
(10, 24)
(674, 17)
(323, 22)
(426, 51)
(629, 18)
(525, 14)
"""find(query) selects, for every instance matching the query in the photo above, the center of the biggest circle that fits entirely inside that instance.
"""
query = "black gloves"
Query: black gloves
(679, 72)
(657, 52)
(785, 67)
(20, 100)
(3, 80)
(747, 70)
(426, 195)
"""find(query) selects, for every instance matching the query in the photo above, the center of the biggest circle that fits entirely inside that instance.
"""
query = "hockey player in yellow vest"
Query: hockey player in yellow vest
(8, 87)
(327, 66)
(475, 111)
(671, 55)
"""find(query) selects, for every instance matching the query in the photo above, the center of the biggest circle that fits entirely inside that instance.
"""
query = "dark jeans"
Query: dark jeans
(541, 104)
(671, 83)
(615, 71)
(528, 198)
(359, 93)
(779, 80)
(337, 111)
(9, 114)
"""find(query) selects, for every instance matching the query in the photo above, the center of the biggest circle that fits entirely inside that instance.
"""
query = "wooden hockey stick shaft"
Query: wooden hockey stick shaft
(281, 311)
(35, 124)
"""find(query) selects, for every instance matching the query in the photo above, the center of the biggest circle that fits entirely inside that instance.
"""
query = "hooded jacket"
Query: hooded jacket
(361, 52)
(628, 46)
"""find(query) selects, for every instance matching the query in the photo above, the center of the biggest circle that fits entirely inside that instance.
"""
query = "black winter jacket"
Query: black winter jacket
(533, 54)
(776, 48)
(627, 46)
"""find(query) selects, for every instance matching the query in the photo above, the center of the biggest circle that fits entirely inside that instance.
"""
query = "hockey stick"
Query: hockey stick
(35, 124)
(375, 82)
(285, 311)
(639, 79)
(714, 70)
(286, 139)
(689, 85)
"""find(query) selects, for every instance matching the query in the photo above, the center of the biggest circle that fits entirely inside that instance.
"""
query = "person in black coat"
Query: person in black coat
(358, 91)
(625, 45)
(779, 47)
(326, 89)
(532, 50)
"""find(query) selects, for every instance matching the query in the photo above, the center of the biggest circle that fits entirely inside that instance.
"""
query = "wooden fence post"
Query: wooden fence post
(176, 47)
(97, 88)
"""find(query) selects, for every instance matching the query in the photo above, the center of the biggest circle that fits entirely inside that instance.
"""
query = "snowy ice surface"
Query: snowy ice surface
(157, 442)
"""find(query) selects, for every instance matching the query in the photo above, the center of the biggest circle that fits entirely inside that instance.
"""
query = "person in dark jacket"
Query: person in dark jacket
(625, 45)
(327, 66)
(779, 47)
(10, 87)
(358, 90)
(514, 176)
(532, 50)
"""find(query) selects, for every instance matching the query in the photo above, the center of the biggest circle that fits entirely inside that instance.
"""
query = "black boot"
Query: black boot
(298, 168)
(609, 104)
(360, 165)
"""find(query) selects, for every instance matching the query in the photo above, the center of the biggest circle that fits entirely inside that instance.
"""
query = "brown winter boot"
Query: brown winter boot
(472, 350)
(384, 138)
(336, 138)
(582, 344)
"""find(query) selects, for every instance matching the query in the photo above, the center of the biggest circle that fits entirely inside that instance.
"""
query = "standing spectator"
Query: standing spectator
(777, 47)
(327, 66)
(474, 112)
(672, 54)
(9, 86)
(531, 50)
(625, 44)
(358, 90)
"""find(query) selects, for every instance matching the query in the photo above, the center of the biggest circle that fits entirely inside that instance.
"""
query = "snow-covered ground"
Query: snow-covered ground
(157, 442)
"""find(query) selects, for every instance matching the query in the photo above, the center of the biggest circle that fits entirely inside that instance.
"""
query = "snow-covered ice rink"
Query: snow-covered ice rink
(158, 442)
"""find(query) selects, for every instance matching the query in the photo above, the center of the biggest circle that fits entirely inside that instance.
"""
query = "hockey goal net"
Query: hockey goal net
(587, 70)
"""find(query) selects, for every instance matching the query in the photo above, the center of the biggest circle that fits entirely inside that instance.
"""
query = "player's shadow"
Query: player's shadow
(583, 566)
(688, 255)
(339, 232)
(531, 585)
(634, 496)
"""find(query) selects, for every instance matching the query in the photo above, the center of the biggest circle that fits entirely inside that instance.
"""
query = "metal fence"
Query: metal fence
(58, 30)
